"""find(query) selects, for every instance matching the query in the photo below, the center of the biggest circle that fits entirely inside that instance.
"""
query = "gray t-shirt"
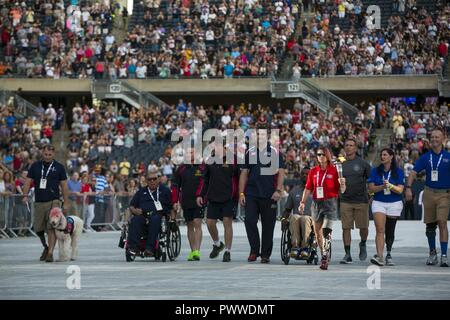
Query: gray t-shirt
(294, 198)
(356, 172)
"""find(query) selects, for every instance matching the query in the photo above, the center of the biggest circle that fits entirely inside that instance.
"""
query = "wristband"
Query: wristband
(241, 194)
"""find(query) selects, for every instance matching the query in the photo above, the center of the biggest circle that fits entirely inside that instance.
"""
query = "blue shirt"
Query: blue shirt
(10, 121)
(143, 200)
(261, 185)
(228, 69)
(377, 179)
(423, 163)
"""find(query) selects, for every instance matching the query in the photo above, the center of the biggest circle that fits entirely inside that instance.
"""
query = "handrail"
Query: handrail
(331, 98)
(20, 105)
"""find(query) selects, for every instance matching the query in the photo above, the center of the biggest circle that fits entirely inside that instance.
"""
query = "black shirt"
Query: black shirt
(220, 182)
(143, 200)
(188, 179)
(56, 174)
(356, 172)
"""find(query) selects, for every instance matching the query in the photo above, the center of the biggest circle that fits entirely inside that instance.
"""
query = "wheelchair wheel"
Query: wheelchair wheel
(285, 246)
(173, 244)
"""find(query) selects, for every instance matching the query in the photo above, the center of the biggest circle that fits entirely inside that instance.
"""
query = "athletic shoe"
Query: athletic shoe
(377, 260)
(304, 253)
(133, 251)
(44, 254)
(324, 263)
(389, 261)
(362, 252)
(191, 256)
(216, 250)
(432, 259)
(444, 261)
(226, 256)
(295, 252)
(196, 255)
(265, 260)
(347, 259)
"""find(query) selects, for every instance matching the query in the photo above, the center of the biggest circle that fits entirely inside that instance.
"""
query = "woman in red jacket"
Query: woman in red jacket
(323, 183)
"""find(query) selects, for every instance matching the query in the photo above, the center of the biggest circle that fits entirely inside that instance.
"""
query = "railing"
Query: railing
(112, 89)
(328, 98)
(16, 218)
(19, 104)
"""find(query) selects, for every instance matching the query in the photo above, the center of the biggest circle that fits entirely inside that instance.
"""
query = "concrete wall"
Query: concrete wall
(384, 84)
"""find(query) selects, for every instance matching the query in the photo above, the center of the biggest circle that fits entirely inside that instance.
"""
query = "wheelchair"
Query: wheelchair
(286, 246)
(168, 244)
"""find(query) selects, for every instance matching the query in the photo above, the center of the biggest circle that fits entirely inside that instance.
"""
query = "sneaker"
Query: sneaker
(191, 256)
(389, 261)
(226, 256)
(196, 255)
(432, 259)
(444, 261)
(216, 250)
(324, 263)
(377, 260)
(362, 252)
(44, 254)
(347, 259)
(295, 252)
(133, 251)
(49, 258)
(265, 260)
(149, 253)
(252, 257)
(304, 253)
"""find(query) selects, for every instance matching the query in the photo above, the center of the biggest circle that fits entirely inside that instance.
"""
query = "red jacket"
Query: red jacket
(330, 183)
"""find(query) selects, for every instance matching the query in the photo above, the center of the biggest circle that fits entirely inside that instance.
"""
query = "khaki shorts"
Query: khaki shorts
(435, 205)
(354, 214)
(41, 214)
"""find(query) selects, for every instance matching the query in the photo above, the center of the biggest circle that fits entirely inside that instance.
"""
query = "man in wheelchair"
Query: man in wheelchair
(148, 205)
(300, 225)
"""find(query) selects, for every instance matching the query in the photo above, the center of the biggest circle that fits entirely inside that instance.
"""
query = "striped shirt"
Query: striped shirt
(101, 185)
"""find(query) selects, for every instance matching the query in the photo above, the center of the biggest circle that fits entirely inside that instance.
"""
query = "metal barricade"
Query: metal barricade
(19, 216)
(4, 207)
(122, 209)
(104, 212)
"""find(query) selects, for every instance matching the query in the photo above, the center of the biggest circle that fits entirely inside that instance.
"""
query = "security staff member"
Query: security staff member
(186, 183)
(220, 188)
(49, 176)
(436, 196)
(300, 224)
(147, 206)
(354, 202)
(259, 192)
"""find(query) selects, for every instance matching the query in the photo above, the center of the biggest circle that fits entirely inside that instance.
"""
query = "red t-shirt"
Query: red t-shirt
(330, 182)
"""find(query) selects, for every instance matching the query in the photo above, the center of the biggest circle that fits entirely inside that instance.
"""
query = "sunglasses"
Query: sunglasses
(321, 154)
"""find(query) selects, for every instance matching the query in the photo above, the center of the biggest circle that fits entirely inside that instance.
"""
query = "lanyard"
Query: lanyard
(323, 179)
(157, 194)
(48, 170)
(389, 175)
(431, 161)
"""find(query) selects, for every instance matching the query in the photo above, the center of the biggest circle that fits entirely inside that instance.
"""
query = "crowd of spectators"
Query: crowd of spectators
(343, 39)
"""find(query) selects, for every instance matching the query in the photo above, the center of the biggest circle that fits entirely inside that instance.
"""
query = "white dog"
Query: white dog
(67, 230)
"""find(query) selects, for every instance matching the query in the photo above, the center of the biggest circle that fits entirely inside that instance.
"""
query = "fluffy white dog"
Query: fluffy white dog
(67, 230)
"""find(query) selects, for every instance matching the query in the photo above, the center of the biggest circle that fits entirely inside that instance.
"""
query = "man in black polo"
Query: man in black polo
(48, 176)
(260, 187)
(354, 205)
(220, 188)
(186, 183)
